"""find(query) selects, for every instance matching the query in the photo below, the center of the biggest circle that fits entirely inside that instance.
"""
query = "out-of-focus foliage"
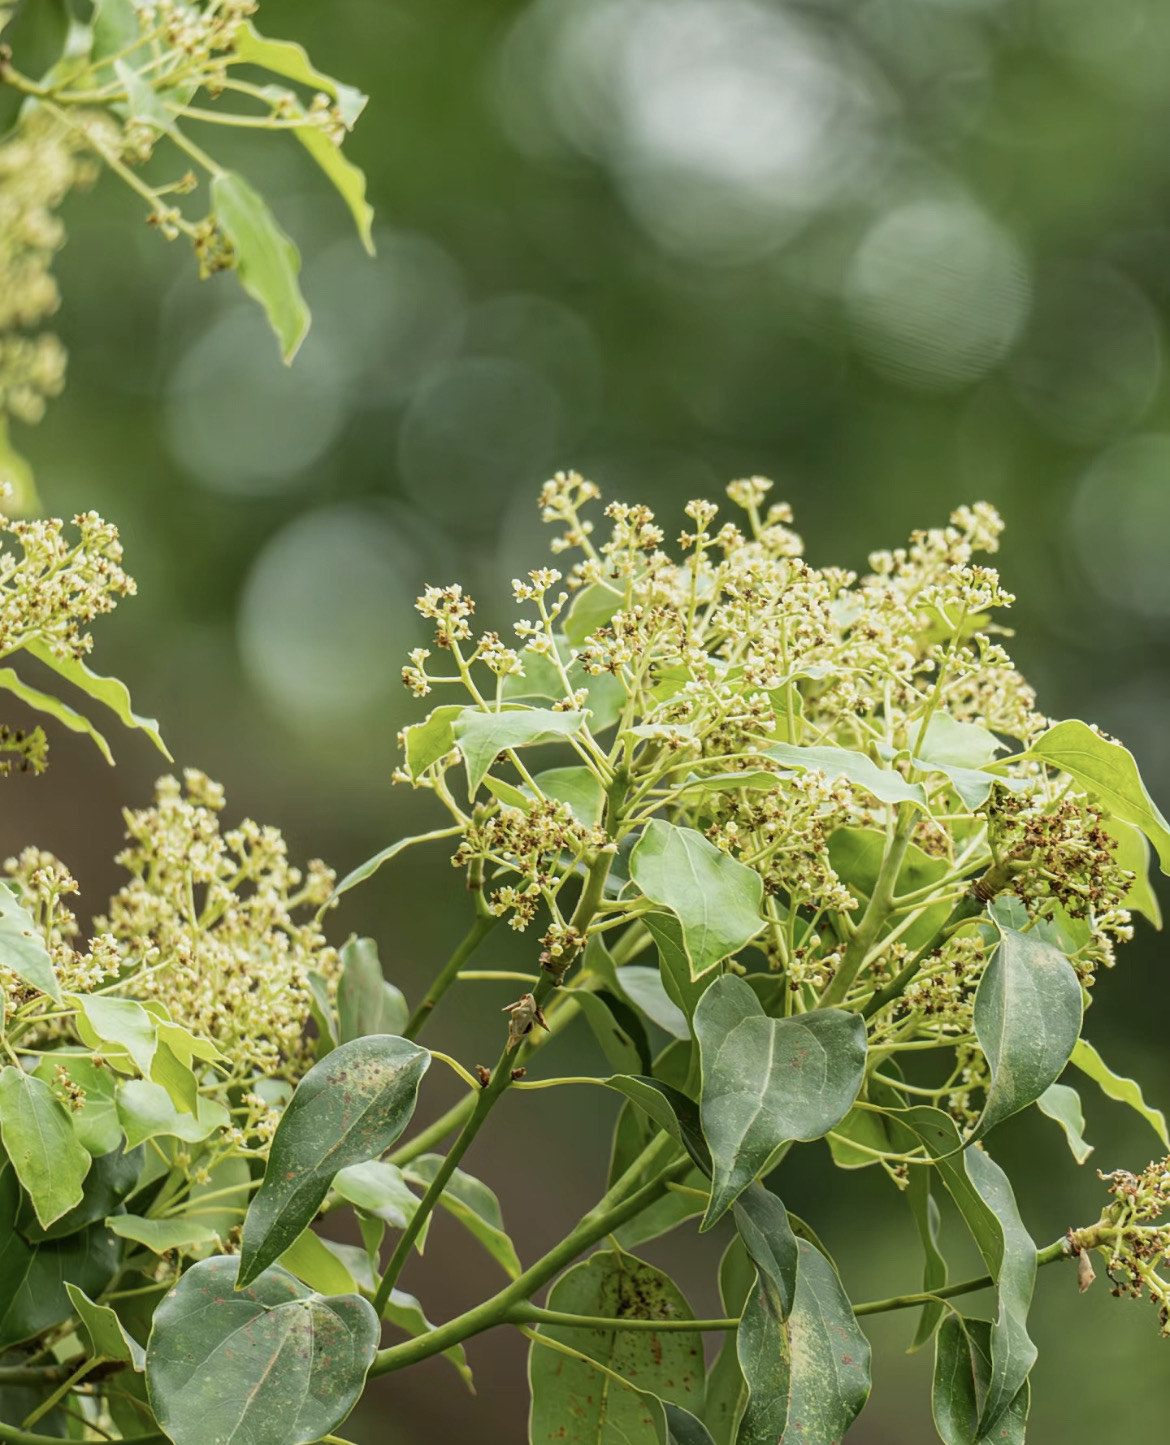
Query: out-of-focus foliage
(895, 254)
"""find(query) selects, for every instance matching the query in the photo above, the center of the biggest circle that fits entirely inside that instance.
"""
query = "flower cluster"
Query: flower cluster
(43, 884)
(208, 925)
(1134, 1236)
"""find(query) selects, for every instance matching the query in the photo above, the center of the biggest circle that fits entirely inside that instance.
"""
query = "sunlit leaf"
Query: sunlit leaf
(161, 1235)
(109, 691)
(317, 1266)
(767, 1081)
(38, 1138)
(885, 784)
(272, 1364)
(145, 1111)
(45, 702)
(1133, 854)
(426, 742)
(267, 262)
(1117, 1086)
(482, 736)
(579, 788)
(715, 898)
(107, 1335)
(22, 948)
(348, 1108)
(287, 58)
(1027, 1017)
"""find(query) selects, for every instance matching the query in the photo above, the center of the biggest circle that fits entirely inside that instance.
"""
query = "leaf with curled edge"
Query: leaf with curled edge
(347, 1109)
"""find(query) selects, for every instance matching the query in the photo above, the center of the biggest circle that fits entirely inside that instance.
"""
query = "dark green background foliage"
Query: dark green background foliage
(897, 254)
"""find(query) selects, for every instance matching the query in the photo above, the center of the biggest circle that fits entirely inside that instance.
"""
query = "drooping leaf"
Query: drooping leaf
(762, 1223)
(626, 1048)
(962, 1373)
(272, 1364)
(371, 865)
(1116, 1086)
(366, 1002)
(1062, 1103)
(348, 1108)
(984, 1198)
(403, 1310)
(669, 1108)
(767, 1081)
(96, 1122)
(145, 1111)
(674, 963)
(37, 1134)
(22, 949)
(726, 1390)
(109, 691)
(474, 1205)
(807, 1374)
(1133, 854)
(33, 1276)
(1109, 771)
(107, 1334)
(161, 1235)
(643, 987)
(575, 1404)
(1027, 1012)
(482, 736)
(108, 1181)
(45, 702)
(884, 784)
(267, 262)
(381, 1190)
(348, 180)
(287, 58)
(715, 898)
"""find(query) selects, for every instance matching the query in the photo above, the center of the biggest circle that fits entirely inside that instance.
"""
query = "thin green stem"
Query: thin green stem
(63, 1389)
(10, 1435)
(1059, 1249)
(479, 930)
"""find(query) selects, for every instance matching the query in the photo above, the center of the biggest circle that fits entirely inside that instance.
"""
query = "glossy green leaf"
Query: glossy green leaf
(33, 1276)
(287, 58)
(38, 1138)
(22, 949)
(716, 899)
(575, 1404)
(483, 736)
(107, 1334)
(145, 1111)
(109, 691)
(807, 1373)
(579, 788)
(267, 262)
(1062, 1103)
(366, 1002)
(762, 1223)
(161, 1235)
(1116, 1086)
(884, 784)
(426, 742)
(473, 1204)
(96, 1122)
(110, 1178)
(1027, 1013)
(45, 702)
(270, 1364)
(962, 1373)
(348, 1108)
(767, 1081)
(674, 963)
(1133, 854)
(1108, 771)
(984, 1198)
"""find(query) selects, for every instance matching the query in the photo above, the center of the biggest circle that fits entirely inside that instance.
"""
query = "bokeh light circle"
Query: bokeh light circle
(1120, 524)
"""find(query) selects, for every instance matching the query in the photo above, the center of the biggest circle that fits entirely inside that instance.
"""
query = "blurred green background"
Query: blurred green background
(896, 254)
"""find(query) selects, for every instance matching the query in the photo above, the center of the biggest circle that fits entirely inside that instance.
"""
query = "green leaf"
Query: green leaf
(934, 1265)
(348, 180)
(381, 1190)
(426, 742)
(22, 949)
(47, 703)
(14, 469)
(161, 1235)
(579, 788)
(542, 681)
(38, 1138)
(1116, 1086)
(762, 1223)
(856, 855)
(271, 1364)
(366, 1003)
(726, 1389)
(1133, 854)
(592, 607)
(143, 103)
(109, 691)
(96, 1122)
(674, 964)
(120, 1028)
(110, 1178)
(107, 1336)
(1028, 1010)
(482, 736)
(885, 784)
(574, 1403)
(626, 1049)
(860, 1127)
(33, 1276)
(145, 1111)
(962, 1373)
(984, 1198)
(266, 260)
(644, 989)
(316, 1265)
(287, 58)
(716, 899)
(767, 1081)
(403, 1310)
(958, 744)
(1109, 772)
(1062, 1103)
(473, 1204)
(348, 1108)
(810, 1370)
(371, 865)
